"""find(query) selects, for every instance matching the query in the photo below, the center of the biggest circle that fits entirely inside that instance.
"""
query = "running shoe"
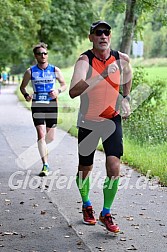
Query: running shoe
(88, 217)
(107, 221)
(45, 171)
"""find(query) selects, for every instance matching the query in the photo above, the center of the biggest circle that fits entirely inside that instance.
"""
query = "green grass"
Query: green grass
(68, 108)
(147, 157)
(154, 62)
(154, 73)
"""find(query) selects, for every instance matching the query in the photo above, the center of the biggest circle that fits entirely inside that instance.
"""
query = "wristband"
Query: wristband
(26, 95)
(59, 91)
(127, 97)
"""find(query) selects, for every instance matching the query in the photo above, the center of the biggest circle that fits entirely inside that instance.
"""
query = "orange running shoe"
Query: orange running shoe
(107, 221)
(88, 217)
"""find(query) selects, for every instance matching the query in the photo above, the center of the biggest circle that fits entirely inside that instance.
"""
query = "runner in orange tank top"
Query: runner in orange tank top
(97, 76)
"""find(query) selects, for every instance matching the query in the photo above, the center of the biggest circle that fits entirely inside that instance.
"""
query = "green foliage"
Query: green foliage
(62, 61)
(153, 11)
(24, 23)
(147, 123)
(115, 6)
(155, 41)
(18, 28)
(117, 31)
(66, 24)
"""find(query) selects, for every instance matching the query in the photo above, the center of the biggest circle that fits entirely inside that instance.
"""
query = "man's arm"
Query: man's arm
(127, 84)
(25, 81)
(79, 84)
(54, 93)
(60, 79)
(127, 73)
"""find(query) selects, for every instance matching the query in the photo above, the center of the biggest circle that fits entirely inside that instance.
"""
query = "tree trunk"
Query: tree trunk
(129, 24)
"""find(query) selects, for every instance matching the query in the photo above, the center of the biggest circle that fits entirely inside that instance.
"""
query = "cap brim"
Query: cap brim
(95, 25)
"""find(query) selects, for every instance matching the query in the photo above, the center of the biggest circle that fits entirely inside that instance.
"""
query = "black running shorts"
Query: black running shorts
(110, 131)
(45, 113)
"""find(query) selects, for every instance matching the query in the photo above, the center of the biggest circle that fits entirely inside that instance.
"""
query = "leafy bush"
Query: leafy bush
(147, 122)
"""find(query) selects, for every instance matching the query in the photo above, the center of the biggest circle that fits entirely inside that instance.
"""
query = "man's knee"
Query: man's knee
(49, 139)
(113, 166)
(84, 171)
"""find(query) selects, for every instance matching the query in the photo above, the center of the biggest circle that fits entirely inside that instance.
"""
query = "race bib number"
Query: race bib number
(42, 98)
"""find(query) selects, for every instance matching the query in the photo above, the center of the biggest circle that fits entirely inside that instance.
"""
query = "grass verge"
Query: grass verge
(147, 158)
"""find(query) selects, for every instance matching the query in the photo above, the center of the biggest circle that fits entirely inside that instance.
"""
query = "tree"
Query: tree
(155, 41)
(67, 22)
(24, 23)
(137, 13)
(129, 26)
(18, 28)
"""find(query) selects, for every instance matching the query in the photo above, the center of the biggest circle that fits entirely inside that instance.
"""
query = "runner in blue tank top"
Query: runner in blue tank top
(44, 107)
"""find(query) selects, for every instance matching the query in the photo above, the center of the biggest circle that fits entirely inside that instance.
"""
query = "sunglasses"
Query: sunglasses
(100, 32)
(41, 53)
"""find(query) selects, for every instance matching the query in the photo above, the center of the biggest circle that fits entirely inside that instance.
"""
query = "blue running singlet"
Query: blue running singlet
(43, 82)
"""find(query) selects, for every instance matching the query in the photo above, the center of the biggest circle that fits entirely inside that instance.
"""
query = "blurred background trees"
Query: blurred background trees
(63, 25)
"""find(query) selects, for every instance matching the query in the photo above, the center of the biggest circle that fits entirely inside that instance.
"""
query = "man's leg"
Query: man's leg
(83, 183)
(113, 148)
(110, 189)
(111, 182)
(83, 175)
(47, 134)
(50, 135)
(42, 147)
(41, 142)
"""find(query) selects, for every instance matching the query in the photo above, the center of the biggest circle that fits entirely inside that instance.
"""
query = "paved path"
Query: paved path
(45, 214)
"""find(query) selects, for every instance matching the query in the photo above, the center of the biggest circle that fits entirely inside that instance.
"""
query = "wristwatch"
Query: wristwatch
(26, 95)
(128, 97)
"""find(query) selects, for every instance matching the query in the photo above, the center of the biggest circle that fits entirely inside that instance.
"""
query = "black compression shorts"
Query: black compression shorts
(110, 131)
(45, 113)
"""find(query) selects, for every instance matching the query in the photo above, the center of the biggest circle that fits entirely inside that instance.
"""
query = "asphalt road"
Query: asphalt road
(44, 214)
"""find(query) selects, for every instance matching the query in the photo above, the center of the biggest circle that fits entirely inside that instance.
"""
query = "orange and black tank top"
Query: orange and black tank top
(100, 102)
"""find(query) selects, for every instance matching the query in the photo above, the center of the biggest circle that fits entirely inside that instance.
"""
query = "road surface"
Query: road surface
(44, 214)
